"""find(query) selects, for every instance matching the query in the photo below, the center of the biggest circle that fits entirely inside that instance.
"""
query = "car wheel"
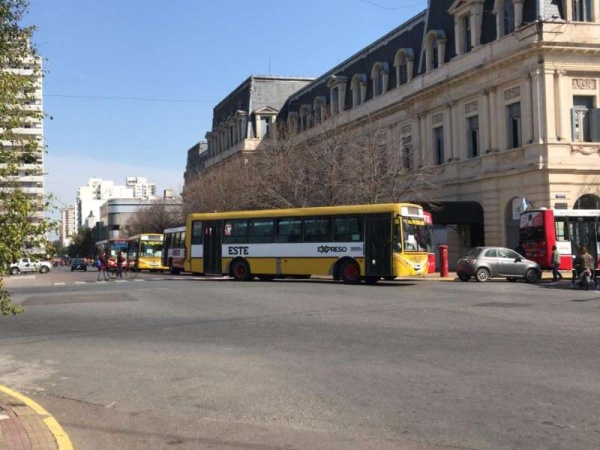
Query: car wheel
(44, 269)
(532, 276)
(14, 271)
(464, 277)
(482, 274)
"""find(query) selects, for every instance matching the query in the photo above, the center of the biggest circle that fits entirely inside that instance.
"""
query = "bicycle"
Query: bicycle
(128, 271)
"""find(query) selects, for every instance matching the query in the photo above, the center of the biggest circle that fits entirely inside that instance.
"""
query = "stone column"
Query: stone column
(494, 124)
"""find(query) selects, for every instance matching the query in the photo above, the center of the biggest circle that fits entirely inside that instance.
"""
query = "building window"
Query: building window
(473, 136)
(265, 127)
(438, 145)
(585, 119)
(582, 10)
(305, 118)
(377, 81)
(435, 49)
(407, 153)
(359, 89)
(513, 122)
(404, 63)
(507, 13)
(467, 33)
(335, 101)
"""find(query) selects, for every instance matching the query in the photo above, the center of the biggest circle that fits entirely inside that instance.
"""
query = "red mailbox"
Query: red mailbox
(443, 249)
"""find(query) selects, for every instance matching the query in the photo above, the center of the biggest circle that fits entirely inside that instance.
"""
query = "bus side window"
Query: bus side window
(235, 232)
(347, 229)
(561, 229)
(317, 229)
(289, 230)
(197, 237)
(262, 231)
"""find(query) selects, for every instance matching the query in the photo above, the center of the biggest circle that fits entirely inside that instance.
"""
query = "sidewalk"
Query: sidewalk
(25, 425)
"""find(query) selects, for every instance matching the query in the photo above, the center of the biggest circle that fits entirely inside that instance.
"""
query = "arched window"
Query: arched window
(319, 109)
(509, 15)
(379, 76)
(305, 117)
(435, 49)
(359, 89)
(587, 201)
(404, 63)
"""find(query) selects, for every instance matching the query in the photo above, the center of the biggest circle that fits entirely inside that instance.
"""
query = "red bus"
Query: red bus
(111, 247)
(174, 249)
(430, 244)
(566, 228)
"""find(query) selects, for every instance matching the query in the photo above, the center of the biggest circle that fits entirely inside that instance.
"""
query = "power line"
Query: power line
(136, 99)
(389, 8)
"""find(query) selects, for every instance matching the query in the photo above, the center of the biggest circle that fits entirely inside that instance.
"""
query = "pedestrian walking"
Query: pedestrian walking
(556, 275)
(102, 263)
(120, 261)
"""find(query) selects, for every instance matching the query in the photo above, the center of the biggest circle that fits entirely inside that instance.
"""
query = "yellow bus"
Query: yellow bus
(144, 251)
(351, 243)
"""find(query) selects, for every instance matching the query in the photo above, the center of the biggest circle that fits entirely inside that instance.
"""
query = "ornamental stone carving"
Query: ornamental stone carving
(588, 84)
(471, 107)
(585, 150)
(406, 129)
(512, 93)
(438, 118)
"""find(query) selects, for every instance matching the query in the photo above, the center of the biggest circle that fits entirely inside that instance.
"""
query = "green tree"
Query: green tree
(83, 244)
(22, 224)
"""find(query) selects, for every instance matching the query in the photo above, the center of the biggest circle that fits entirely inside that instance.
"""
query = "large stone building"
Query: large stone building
(500, 96)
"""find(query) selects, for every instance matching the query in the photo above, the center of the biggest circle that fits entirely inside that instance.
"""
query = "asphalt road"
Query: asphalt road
(191, 363)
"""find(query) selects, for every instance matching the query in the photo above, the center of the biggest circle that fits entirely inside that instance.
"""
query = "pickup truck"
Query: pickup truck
(29, 265)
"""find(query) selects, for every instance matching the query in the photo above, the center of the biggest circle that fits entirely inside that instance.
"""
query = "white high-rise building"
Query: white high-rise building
(91, 197)
(67, 226)
(30, 175)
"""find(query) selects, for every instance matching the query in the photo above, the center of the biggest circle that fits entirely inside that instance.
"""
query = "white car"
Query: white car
(29, 265)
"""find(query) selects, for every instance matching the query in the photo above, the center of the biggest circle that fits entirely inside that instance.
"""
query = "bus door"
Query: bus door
(583, 231)
(212, 247)
(378, 254)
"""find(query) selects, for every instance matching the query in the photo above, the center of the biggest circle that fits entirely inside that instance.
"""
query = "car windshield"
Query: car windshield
(78, 261)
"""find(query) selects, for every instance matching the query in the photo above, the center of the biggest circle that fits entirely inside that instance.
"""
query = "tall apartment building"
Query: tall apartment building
(30, 174)
(67, 225)
(92, 196)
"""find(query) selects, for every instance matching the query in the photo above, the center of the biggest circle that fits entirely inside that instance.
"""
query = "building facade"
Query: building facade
(67, 225)
(246, 116)
(97, 191)
(499, 99)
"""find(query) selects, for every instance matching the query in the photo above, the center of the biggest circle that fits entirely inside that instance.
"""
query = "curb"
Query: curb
(62, 440)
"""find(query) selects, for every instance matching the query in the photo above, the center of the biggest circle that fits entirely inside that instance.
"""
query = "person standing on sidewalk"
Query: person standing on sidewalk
(556, 275)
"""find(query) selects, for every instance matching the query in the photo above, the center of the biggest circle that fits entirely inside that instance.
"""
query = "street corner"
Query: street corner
(24, 424)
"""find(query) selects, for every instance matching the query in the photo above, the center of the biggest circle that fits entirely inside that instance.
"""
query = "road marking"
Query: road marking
(62, 438)
(81, 282)
(60, 284)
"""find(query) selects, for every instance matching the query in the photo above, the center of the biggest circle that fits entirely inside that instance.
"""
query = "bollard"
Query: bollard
(443, 249)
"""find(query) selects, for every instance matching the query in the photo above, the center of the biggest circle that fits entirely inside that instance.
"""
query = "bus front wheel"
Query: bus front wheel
(240, 270)
(350, 272)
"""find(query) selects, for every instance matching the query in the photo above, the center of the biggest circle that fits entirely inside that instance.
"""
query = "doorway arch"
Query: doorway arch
(587, 201)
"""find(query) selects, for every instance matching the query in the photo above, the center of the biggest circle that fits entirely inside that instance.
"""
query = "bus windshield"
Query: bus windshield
(151, 249)
(415, 235)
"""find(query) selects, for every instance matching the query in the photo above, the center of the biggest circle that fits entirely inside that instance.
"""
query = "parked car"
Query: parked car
(29, 265)
(78, 264)
(497, 262)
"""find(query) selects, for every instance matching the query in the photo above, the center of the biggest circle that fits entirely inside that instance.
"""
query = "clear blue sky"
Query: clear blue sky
(131, 84)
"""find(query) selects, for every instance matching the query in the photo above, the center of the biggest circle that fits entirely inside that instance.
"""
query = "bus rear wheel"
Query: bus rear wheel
(240, 271)
(350, 272)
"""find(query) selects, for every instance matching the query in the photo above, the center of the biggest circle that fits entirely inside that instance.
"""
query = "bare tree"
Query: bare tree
(155, 218)
(339, 165)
